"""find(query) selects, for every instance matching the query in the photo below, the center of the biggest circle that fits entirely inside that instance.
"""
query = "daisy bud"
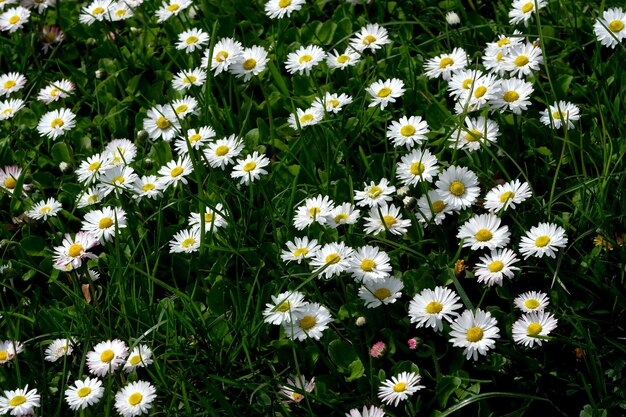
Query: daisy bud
(90, 41)
(147, 163)
(64, 167)
(100, 73)
(459, 268)
(409, 202)
(453, 19)
(378, 349)
(142, 135)
(412, 343)
(360, 321)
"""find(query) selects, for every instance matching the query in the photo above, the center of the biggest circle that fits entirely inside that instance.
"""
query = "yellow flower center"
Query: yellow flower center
(438, 206)
(503, 41)
(135, 360)
(510, 96)
(531, 304)
(542, 241)
(45, 210)
(120, 12)
(417, 168)
(342, 59)
(407, 130)
(527, 7)
(94, 166)
(118, 180)
(3, 355)
(382, 293)
(249, 64)
(300, 252)
(176, 171)
(10, 83)
(384, 92)
(496, 266)
(105, 223)
(368, 40)
(10, 183)
(445, 62)
(208, 217)
(305, 58)
(434, 307)
(8, 111)
(181, 109)
(17, 400)
(506, 196)
(147, 187)
(162, 122)
(480, 91)
(534, 328)
(374, 192)
(107, 356)
(313, 211)
(75, 250)
(221, 56)
(194, 138)
(57, 122)
(389, 220)
(83, 392)
(221, 150)
(190, 79)
(97, 10)
(307, 322)
(135, 398)
(399, 387)
(474, 334)
(616, 26)
(297, 397)
(333, 102)
(306, 118)
(499, 56)
(457, 188)
(467, 83)
(249, 166)
(483, 235)
(54, 92)
(333, 258)
(557, 115)
(284, 306)
(473, 135)
(521, 60)
(191, 40)
(92, 198)
(172, 8)
(341, 217)
(284, 3)
(368, 265)
(188, 242)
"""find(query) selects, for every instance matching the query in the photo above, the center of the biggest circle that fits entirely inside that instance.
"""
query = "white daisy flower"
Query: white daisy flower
(458, 187)
(121, 151)
(8, 350)
(93, 167)
(192, 39)
(476, 133)
(484, 231)
(375, 194)
(148, 186)
(385, 291)
(251, 62)
(13, 19)
(120, 11)
(507, 195)
(4, 3)
(309, 117)
(98, 10)
(188, 78)
(416, 167)
(250, 168)
(462, 81)
(479, 94)
(11, 83)
(476, 332)
(296, 387)
(372, 36)
(523, 59)
(372, 411)
(332, 259)
(119, 178)
(369, 265)
(559, 114)
(610, 28)
(493, 60)
(184, 106)
(106, 357)
(310, 321)
(386, 217)
(522, 10)
(283, 307)
(84, 393)
(55, 91)
(89, 197)
(430, 307)
(543, 239)
(44, 209)
(539, 323)
(532, 301)
(187, 240)
(56, 122)
(19, 402)
(213, 218)
(385, 91)
(161, 122)
(300, 249)
(332, 102)
(135, 399)
(445, 64)
(223, 152)
(175, 171)
(514, 95)
(304, 59)
(171, 8)
(9, 176)
(408, 131)
(432, 208)
(58, 349)
(105, 223)
(195, 139)
(140, 357)
(493, 268)
(9, 107)
(452, 18)
(72, 251)
(399, 388)
(349, 58)
(505, 42)
(226, 52)
(277, 9)
(315, 209)
(342, 214)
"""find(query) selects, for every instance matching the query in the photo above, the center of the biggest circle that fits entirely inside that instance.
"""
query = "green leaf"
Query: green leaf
(445, 387)
(343, 355)
(33, 245)
(562, 85)
(61, 153)
(356, 370)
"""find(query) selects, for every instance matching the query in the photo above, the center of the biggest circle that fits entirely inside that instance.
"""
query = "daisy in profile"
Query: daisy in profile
(140, 357)
(8, 108)
(55, 91)
(475, 332)
(184, 106)
(213, 218)
(93, 167)
(175, 171)
(304, 59)
(89, 197)
(300, 249)
(161, 122)
(522, 10)
(399, 388)
(195, 139)
(225, 52)
(105, 223)
(560, 113)
(372, 37)
(56, 123)
(375, 194)
(484, 231)
(408, 131)
(106, 357)
(386, 217)
(58, 349)
(14, 18)
(296, 388)
(8, 350)
(369, 264)
(416, 167)
(44, 209)
(332, 259)
(277, 9)
(430, 307)
(120, 178)
(72, 251)
(476, 133)
(342, 214)
(507, 195)
(310, 321)
(223, 152)
(309, 117)
(251, 62)
(283, 307)
(543, 239)
(98, 10)
(50, 35)
(313, 210)
(372, 411)
(610, 28)
(432, 208)
(84, 393)
(40, 5)
(349, 58)
(147, 186)
(458, 186)
(11, 83)
(19, 402)
(446, 64)
(532, 301)
(135, 399)
(186, 79)
(493, 268)
(192, 39)
(523, 59)
(384, 92)
(332, 103)
(250, 168)
(514, 95)
(533, 324)
(171, 8)
(385, 291)
(187, 241)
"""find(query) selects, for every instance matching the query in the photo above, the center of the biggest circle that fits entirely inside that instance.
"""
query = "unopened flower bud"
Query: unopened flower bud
(360, 321)
(453, 19)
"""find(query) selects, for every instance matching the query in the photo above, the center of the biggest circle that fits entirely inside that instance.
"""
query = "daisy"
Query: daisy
(298, 384)
(375, 194)
(342, 61)
(9, 176)
(522, 10)
(93, 167)
(532, 301)
(120, 11)
(4, 3)
(332, 102)
(13, 19)
(106, 357)
(40, 5)
(175, 171)
(305, 58)
(385, 291)
(98, 10)
(119, 178)
(9, 107)
(58, 349)
(372, 411)
(192, 39)
(223, 151)
(408, 132)
(342, 214)
(507, 195)
(51, 35)
(161, 122)
(560, 113)
(19, 402)
(429, 308)
(140, 357)
(386, 218)
(493, 268)
(533, 324)
(479, 94)
(148, 186)
(251, 62)
(89, 197)
(484, 231)
(8, 350)
(121, 151)
(445, 64)
(609, 29)
(300, 249)
(11, 82)
(458, 187)
(332, 259)
(385, 92)
(105, 223)
(186, 79)
(277, 9)
(283, 307)
(315, 209)
(372, 36)
(543, 239)
(462, 81)
(45, 209)
(493, 60)
(310, 321)
(476, 332)
(309, 117)
(213, 218)
(523, 59)
(476, 133)
(250, 168)
(416, 167)
(184, 106)
(505, 42)
(225, 52)
(187, 241)
(171, 8)
(195, 139)
(135, 399)
(56, 122)
(369, 264)
(84, 393)
(399, 388)
(71, 253)
(513, 95)
(432, 208)
(452, 19)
